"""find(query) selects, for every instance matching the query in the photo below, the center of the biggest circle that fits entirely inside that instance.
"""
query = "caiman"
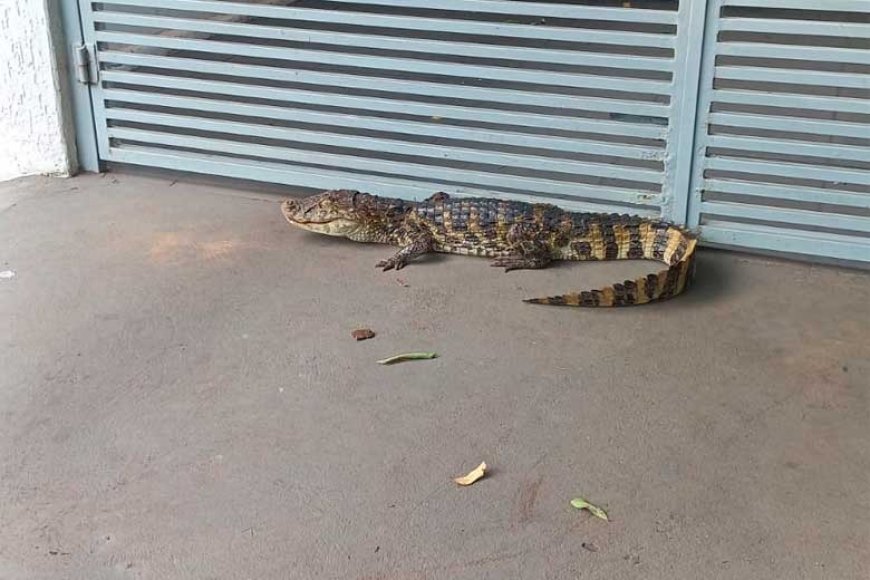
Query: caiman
(516, 235)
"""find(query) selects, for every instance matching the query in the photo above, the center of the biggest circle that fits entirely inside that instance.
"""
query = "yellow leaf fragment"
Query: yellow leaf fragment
(472, 476)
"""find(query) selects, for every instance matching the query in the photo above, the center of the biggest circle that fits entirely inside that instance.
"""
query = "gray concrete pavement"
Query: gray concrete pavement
(180, 398)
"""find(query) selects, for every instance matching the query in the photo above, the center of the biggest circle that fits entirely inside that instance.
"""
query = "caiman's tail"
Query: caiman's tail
(660, 241)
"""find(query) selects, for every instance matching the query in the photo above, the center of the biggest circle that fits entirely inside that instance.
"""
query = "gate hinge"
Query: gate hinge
(87, 71)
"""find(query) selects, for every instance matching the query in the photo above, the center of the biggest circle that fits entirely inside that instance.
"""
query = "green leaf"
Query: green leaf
(407, 356)
(582, 504)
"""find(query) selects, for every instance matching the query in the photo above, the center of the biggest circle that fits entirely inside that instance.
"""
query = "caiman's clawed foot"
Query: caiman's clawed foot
(519, 263)
(390, 263)
(417, 246)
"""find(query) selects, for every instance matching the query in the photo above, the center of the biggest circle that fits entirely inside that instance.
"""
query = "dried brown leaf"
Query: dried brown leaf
(363, 333)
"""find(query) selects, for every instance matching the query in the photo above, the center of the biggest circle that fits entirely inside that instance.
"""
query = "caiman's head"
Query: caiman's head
(333, 213)
(345, 213)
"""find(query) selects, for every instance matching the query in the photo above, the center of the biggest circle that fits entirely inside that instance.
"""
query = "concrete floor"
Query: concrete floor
(180, 397)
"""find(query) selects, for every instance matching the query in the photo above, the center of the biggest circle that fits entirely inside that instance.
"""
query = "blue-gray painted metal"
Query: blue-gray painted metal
(443, 131)
(789, 124)
(825, 151)
(538, 9)
(808, 53)
(794, 101)
(390, 101)
(820, 219)
(346, 39)
(786, 240)
(480, 179)
(82, 108)
(795, 180)
(290, 99)
(408, 65)
(684, 105)
(789, 76)
(795, 27)
(857, 6)
(369, 144)
(532, 9)
(86, 13)
(792, 170)
(792, 193)
(424, 89)
(414, 187)
(426, 24)
(528, 124)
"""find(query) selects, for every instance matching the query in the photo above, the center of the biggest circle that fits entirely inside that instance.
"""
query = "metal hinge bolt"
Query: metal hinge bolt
(86, 64)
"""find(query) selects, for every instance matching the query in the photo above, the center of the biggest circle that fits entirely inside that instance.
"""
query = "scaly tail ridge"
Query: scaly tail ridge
(663, 242)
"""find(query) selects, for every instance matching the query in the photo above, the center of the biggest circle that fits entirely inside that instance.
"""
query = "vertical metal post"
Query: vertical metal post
(78, 96)
(89, 36)
(705, 99)
(691, 21)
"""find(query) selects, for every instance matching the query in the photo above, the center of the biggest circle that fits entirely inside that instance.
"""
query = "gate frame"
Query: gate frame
(78, 95)
(692, 23)
(707, 73)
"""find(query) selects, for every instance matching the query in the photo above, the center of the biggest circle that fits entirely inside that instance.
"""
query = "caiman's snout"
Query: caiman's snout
(290, 208)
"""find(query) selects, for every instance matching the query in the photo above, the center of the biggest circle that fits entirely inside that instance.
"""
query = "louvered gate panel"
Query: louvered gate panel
(784, 129)
(536, 101)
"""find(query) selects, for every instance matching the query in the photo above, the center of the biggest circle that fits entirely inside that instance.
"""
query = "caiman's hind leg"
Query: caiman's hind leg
(422, 244)
(526, 253)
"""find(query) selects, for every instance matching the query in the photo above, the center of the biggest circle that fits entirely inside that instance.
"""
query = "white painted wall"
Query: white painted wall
(32, 138)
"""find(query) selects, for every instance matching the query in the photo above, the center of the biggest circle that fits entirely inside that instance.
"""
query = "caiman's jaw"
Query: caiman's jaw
(327, 213)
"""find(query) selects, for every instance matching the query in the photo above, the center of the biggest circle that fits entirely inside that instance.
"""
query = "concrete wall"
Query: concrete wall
(33, 138)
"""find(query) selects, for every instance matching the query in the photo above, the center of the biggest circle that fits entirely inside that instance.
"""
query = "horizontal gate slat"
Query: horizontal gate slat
(789, 124)
(790, 147)
(511, 97)
(369, 143)
(787, 216)
(827, 245)
(299, 176)
(828, 5)
(768, 99)
(506, 74)
(443, 25)
(442, 112)
(789, 192)
(428, 172)
(531, 9)
(792, 52)
(483, 135)
(795, 27)
(435, 47)
(795, 170)
(794, 77)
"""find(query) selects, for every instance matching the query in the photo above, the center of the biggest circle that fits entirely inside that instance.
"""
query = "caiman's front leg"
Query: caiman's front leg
(417, 246)
(527, 252)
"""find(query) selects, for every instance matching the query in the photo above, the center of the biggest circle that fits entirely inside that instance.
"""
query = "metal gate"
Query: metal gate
(783, 140)
(590, 107)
